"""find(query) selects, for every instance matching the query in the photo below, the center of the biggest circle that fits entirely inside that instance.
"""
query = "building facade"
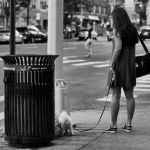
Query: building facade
(38, 14)
(41, 6)
(98, 14)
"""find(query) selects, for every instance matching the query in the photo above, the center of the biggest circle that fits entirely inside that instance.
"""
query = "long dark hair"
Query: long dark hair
(123, 25)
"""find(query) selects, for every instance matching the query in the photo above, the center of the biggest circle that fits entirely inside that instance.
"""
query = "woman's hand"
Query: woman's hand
(112, 72)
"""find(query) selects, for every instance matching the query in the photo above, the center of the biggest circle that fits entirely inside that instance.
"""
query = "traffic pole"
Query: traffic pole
(28, 12)
(55, 34)
(12, 27)
(55, 46)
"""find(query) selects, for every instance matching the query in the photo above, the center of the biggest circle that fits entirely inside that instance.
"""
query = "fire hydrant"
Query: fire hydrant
(61, 97)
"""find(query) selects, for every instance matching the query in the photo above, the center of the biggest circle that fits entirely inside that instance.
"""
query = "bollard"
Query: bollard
(61, 97)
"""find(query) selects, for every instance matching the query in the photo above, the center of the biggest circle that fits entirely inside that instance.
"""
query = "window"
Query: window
(104, 11)
(99, 10)
(94, 9)
(33, 6)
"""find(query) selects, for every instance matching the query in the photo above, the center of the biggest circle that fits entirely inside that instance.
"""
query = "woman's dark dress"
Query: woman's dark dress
(125, 69)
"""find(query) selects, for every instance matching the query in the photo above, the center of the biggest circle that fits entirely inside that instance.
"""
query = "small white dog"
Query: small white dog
(65, 123)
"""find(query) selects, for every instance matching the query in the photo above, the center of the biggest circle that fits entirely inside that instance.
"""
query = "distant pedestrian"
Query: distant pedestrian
(68, 28)
(88, 43)
(122, 67)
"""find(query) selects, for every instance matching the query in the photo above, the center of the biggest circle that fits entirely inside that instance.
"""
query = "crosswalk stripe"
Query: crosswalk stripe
(142, 85)
(68, 48)
(104, 98)
(90, 63)
(68, 57)
(144, 78)
(101, 66)
(143, 81)
(142, 90)
(110, 97)
(73, 61)
(76, 62)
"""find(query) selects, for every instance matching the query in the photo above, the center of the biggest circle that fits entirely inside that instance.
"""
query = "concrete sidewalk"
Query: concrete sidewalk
(96, 139)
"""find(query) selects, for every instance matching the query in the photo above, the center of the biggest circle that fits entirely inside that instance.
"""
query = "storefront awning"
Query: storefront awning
(88, 17)
(93, 17)
(80, 16)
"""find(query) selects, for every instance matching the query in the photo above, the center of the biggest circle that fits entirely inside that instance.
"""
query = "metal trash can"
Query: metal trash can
(61, 97)
(29, 99)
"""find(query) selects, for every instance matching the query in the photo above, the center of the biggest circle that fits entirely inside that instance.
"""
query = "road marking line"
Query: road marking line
(143, 81)
(90, 63)
(144, 78)
(73, 61)
(101, 66)
(142, 85)
(110, 97)
(68, 57)
(141, 89)
(104, 98)
(68, 48)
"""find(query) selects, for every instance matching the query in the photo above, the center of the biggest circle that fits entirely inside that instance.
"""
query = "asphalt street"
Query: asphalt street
(86, 77)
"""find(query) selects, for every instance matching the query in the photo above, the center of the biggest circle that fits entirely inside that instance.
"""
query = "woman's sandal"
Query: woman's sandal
(111, 130)
(127, 128)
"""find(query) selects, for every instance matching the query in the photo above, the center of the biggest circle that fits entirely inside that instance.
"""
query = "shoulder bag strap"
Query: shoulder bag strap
(143, 44)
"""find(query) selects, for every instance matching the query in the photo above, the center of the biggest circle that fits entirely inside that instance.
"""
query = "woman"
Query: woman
(122, 66)
(88, 43)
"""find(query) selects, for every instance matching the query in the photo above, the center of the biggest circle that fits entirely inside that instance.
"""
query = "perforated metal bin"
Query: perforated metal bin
(29, 99)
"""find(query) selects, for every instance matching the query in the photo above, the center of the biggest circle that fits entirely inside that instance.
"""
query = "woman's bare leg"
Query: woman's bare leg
(115, 105)
(130, 104)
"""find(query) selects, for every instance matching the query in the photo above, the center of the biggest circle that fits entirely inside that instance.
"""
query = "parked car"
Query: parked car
(5, 36)
(145, 32)
(27, 36)
(38, 36)
(32, 27)
(31, 35)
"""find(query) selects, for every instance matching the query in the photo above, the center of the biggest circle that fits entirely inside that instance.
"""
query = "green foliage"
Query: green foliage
(6, 9)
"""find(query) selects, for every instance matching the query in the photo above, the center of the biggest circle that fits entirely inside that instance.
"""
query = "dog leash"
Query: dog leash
(84, 130)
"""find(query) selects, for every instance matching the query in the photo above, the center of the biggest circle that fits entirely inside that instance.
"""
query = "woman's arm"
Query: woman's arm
(117, 49)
